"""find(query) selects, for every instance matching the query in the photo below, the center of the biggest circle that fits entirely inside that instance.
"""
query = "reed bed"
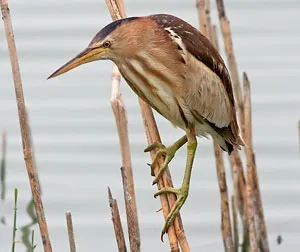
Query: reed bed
(246, 198)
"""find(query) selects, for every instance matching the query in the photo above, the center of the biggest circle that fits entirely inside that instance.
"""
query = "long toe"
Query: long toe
(168, 153)
(167, 190)
(158, 154)
(181, 198)
(162, 151)
(162, 168)
(154, 146)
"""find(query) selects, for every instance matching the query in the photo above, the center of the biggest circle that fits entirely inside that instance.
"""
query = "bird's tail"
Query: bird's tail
(227, 140)
(227, 137)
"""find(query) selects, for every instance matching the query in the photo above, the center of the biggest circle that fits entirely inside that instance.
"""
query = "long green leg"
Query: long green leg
(183, 191)
(167, 152)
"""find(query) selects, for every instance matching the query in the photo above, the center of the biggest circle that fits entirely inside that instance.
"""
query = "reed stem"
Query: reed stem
(235, 225)
(152, 134)
(117, 11)
(261, 230)
(70, 232)
(226, 31)
(207, 30)
(15, 220)
(134, 237)
(27, 151)
(115, 217)
(33, 246)
(235, 159)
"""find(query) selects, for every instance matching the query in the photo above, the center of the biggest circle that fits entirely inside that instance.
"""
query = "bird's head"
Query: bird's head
(112, 42)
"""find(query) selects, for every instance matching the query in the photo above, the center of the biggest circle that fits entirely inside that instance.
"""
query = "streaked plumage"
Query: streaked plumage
(174, 68)
(194, 78)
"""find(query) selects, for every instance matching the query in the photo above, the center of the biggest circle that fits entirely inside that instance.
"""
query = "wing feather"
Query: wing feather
(203, 51)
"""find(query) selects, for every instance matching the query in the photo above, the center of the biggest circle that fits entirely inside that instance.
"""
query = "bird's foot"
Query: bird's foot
(162, 151)
(182, 194)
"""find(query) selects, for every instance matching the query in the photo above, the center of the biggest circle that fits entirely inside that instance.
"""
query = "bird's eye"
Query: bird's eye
(106, 44)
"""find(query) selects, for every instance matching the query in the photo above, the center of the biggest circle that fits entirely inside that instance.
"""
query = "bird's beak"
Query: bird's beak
(88, 55)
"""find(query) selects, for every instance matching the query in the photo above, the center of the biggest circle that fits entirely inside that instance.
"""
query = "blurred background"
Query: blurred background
(76, 142)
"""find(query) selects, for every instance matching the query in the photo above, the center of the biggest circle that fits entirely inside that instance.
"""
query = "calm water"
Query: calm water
(75, 137)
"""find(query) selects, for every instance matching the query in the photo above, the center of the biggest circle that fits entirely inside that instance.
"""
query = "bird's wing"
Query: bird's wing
(199, 46)
(204, 53)
(206, 95)
(220, 108)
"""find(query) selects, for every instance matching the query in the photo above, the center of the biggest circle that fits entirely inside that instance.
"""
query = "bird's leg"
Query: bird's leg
(167, 152)
(183, 191)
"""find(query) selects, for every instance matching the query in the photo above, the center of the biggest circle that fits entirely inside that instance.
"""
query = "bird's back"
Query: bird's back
(182, 76)
(208, 93)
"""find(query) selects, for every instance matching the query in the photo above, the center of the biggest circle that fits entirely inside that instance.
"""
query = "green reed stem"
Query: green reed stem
(32, 241)
(15, 221)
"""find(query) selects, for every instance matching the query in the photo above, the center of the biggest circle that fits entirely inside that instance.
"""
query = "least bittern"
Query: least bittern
(174, 68)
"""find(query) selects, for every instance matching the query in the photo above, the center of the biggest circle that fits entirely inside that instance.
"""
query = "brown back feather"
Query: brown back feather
(202, 49)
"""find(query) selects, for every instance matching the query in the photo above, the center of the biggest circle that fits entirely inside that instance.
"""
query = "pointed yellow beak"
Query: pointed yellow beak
(88, 55)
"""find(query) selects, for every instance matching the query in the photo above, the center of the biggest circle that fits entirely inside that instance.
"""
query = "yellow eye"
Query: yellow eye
(106, 44)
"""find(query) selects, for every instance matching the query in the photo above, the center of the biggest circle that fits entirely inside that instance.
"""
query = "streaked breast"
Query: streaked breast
(152, 82)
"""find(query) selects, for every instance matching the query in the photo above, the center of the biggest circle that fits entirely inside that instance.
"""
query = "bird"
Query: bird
(175, 69)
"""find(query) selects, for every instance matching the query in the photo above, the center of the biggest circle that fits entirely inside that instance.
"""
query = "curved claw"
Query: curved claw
(167, 190)
(154, 146)
(182, 194)
(167, 160)
(168, 157)
(157, 156)
(167, 152)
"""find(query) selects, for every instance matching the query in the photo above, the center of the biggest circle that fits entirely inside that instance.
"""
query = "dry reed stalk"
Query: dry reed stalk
(134, 238)
(117, 11)
(166, 181)
(24, 127)
(251, 164)
(167, 201)
(210, 32)
(115, 217)
(120, 114)
(32, 149)
(250, 172)
(203, 7)
(214, 36)
(235, 225)
(239, 192)
(226, 31)
(235, 159)
(70, 232)
(225, 210)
